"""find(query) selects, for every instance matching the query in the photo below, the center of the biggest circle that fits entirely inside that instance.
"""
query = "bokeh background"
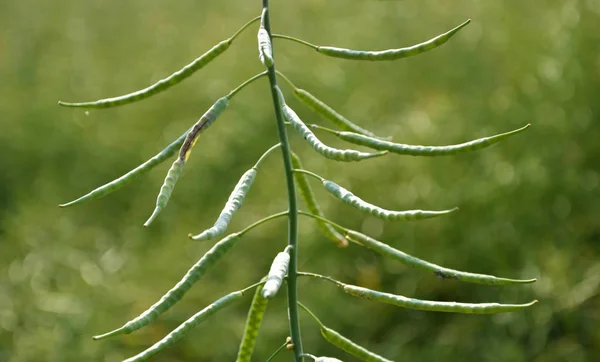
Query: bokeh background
(529, 206)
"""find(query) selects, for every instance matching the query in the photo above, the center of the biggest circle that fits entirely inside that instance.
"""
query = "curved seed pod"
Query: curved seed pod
(415, 150)
(165, 83)
(159, 86)
(313, 206)
(454, 307)
(320, 147)
(417, 263)
(183, 328)
(178, 291)
(349, 198)
(265, 49)
(276, 274)
(130, 176)
(390, 54)
(203, 123)
(253, 322)
(233, 204)
(166, 189)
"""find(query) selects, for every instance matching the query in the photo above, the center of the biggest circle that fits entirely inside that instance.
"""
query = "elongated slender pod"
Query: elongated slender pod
(434, 306)
(165, 83)
(132, 175)
(265, 49)
(344, 343)
(233, 204)
(414, 150)
(390, 54)
(324, 110)
(207, 262)
(313, 206)
(320, 147)
(166, 189)
(180, 331)
(253, 322)
(348, 197)
(417, 263)
(278, 271)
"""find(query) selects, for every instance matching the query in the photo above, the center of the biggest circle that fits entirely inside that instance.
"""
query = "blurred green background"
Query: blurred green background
(529, 206)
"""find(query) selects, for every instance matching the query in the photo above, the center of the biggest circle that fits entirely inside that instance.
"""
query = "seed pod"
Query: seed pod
(130, 176)
(434, 306)
(203, 123)
(320, 147)
(166, 189)
(265, 49)
(324, 110)
(349, 198)
(344, 343)
(278, 271)
(186, 326)
(233, 204)
(313, 206)
(414, 150)
(390, 54)
(417, 263)
(178, 291)
(253, 322)
(165, 83)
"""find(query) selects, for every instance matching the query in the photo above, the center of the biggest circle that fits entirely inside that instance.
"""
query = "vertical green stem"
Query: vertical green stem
(293, 207)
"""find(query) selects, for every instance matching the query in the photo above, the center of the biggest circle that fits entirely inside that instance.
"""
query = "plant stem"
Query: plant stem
(293, 207)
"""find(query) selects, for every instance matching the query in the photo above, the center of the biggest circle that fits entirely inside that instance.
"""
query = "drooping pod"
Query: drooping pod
(313, 206)
(265, 48)
(185, 327)
(165, 83)
(253, 322)
(320, 147)
(174, 295)
(278, 271)
(233, 204)
(184, 153)
(415, 150)
(417, 263)
(390, 54)
(130, 176)
(166, 189)
(326, 111)
(348, 197)
(434, 306)
(344, 343)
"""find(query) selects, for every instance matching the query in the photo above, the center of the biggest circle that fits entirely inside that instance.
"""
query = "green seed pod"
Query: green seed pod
(278, 271)
(166, 189)
(203, 123)
(344, 343)
(233, 204)
(174, 295)
(253, 322)
(349, 198)
(265, 49)
(313, 206)
(414, 150)
(417, 263)
(324, 110)
(130, 176)
(165, 83)
(186, 326)
(390, 54)
(320, 147)
(434, 306)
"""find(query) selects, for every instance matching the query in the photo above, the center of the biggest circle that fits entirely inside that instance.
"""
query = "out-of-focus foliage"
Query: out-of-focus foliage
(529, 206)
